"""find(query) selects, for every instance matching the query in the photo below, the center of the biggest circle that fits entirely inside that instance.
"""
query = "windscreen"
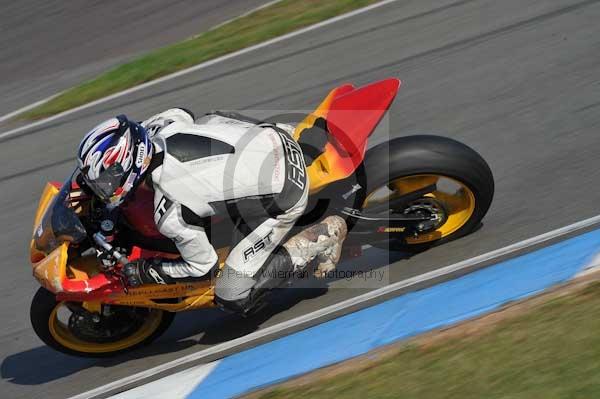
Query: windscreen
(59, 224)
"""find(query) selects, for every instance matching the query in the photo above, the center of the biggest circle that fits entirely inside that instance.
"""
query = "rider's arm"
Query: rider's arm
(156, 122)
(187, 232)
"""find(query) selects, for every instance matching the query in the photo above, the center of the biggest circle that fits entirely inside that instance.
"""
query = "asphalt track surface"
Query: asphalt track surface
(519, 84)
(49, 46)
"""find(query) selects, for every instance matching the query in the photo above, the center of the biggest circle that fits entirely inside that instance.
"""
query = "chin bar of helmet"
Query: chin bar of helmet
(101, 241)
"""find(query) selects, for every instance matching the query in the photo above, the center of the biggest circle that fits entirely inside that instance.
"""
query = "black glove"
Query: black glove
(145, 271)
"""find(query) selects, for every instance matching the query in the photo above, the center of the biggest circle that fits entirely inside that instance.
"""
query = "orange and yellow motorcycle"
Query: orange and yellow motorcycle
(409, 192)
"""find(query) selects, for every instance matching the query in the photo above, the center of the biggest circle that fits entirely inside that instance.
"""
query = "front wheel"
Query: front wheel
(462, 180)
(68, 328)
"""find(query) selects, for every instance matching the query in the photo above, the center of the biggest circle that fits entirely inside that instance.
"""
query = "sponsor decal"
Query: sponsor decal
(296, 169)
(168, 290)
(258, 246)
(141, 155)
(391, 229)
(161, 208)
(154, 274)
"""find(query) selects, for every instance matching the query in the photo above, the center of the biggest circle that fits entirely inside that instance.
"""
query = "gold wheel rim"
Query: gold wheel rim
(457, 198)
(60, 332)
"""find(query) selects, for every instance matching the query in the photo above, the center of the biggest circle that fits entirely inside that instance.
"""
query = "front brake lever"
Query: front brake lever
(121, 259)
(101, 241)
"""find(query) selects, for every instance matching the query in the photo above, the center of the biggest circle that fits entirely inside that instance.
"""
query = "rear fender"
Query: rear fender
(350, 116)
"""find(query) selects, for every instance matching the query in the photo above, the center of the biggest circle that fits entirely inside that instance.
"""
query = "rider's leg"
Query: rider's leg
(241, 289)
(257, 262)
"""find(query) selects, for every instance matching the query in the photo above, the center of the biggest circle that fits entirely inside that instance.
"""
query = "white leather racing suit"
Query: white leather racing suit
(221, 165)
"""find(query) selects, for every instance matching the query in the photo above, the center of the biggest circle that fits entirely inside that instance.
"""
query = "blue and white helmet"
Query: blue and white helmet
(113, 158)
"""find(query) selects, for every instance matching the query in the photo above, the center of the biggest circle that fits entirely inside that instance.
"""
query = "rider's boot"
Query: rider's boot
(330, 257)
(322, 241)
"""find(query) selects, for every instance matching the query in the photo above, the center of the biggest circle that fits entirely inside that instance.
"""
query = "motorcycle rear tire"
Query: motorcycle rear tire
(428, 155)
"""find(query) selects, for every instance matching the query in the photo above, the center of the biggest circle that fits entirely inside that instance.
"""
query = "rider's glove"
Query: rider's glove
(145, 271)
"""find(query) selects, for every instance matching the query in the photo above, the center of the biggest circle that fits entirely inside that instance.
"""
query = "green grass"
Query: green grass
(264, 24)
(552, 351)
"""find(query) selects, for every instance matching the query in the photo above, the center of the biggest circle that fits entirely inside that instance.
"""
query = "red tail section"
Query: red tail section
(354, 114)
(350, 115)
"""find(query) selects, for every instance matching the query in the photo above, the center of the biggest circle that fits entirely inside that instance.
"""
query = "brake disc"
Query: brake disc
(430, 208)
(98, 328)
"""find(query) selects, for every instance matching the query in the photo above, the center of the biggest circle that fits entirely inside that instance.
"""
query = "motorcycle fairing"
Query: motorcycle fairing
(49, 271)
(350, 116)
(80, 280)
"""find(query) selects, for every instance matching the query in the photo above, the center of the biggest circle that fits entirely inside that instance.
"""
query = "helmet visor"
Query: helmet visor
(107, 183)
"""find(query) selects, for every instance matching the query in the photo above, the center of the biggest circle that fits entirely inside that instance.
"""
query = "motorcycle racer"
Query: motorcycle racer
(222, 164)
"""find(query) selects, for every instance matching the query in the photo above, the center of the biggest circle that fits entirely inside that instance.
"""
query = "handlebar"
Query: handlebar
(101, 241)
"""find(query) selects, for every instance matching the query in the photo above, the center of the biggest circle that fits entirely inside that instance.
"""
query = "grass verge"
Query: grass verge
(549, 348)
(267, 23)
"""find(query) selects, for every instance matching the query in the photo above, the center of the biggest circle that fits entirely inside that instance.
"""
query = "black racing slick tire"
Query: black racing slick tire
(413, 161)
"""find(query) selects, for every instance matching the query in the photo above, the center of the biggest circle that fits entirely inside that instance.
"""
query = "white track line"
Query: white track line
(26, 108)
(203, 65)
(178, 386)
(349, 303)
(42, 101)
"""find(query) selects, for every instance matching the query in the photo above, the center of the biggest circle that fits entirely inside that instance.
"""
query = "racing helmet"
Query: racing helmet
(113, 157)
